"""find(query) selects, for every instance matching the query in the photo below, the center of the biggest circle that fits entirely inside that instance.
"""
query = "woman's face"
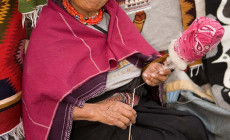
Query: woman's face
(88, 5)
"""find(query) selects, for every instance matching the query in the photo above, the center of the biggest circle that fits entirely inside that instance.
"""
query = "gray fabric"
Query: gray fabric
(215, 119)
(216, 89)
(163, 23)
(104, 24)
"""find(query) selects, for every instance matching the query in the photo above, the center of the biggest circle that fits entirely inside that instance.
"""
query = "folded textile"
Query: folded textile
(12, 43)
(213, 117)
(179, 81)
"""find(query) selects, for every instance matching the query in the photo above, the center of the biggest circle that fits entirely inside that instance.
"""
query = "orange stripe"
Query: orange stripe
(197, 62)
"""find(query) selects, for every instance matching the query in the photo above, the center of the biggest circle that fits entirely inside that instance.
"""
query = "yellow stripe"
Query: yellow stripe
(138, 22)
(3, 10)
(11, 100)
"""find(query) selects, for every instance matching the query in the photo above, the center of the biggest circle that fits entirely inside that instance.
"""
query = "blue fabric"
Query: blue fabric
(172, 96)
(6, 90)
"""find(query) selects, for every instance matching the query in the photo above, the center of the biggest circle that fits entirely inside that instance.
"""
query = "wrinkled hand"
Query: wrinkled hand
(110, 113)
(155, 74)
(116, 113)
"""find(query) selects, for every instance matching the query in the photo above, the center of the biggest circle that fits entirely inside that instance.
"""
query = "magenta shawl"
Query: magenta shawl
(63, 54)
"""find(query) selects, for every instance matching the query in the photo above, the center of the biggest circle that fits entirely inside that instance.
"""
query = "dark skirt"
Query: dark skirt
(154, 122)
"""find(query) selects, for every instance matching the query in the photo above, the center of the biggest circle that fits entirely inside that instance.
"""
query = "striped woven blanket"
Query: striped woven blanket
(11, 58)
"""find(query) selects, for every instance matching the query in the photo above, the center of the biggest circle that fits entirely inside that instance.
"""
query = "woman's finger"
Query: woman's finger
(124, 120)
(128, 112)
(128, 107)
(156, 78)
(165, 72)
(129, 115)
(151, 80)
(116, 113)
(119, 123)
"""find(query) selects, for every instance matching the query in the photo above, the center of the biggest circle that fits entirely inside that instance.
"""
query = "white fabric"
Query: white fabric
(121, 76)
(163, 23)
(200, 8)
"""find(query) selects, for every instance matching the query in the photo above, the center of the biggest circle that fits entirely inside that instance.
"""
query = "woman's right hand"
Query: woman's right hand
(110, 113)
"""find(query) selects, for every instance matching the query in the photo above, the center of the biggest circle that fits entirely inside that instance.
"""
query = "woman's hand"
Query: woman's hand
(155, 74)
(110, 113)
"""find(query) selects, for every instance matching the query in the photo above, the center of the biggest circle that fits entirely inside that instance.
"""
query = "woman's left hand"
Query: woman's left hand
(155, 74)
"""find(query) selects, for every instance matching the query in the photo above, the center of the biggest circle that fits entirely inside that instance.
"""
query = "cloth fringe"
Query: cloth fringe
(129, 12)
(17, 133)
(33, 16)
(134, 6)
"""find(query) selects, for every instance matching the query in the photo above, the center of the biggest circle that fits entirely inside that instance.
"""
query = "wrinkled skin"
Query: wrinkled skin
(88, 7)
(155, 74)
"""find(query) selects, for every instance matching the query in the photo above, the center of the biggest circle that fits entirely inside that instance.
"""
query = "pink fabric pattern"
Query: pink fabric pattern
(202, 36)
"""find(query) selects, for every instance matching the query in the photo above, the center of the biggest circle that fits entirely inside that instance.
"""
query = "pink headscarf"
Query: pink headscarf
(202, 36)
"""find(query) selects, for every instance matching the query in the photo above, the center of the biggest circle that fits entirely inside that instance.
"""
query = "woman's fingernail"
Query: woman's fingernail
(145, 75)
(165, 67)
(153, 75)
(161, 72)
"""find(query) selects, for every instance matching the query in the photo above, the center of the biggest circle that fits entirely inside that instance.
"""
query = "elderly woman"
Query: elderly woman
(84, 60)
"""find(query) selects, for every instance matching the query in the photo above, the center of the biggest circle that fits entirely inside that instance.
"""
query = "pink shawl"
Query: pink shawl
(63, 54)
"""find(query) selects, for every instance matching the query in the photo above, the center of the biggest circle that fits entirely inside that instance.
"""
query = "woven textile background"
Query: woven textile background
(12, 43)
